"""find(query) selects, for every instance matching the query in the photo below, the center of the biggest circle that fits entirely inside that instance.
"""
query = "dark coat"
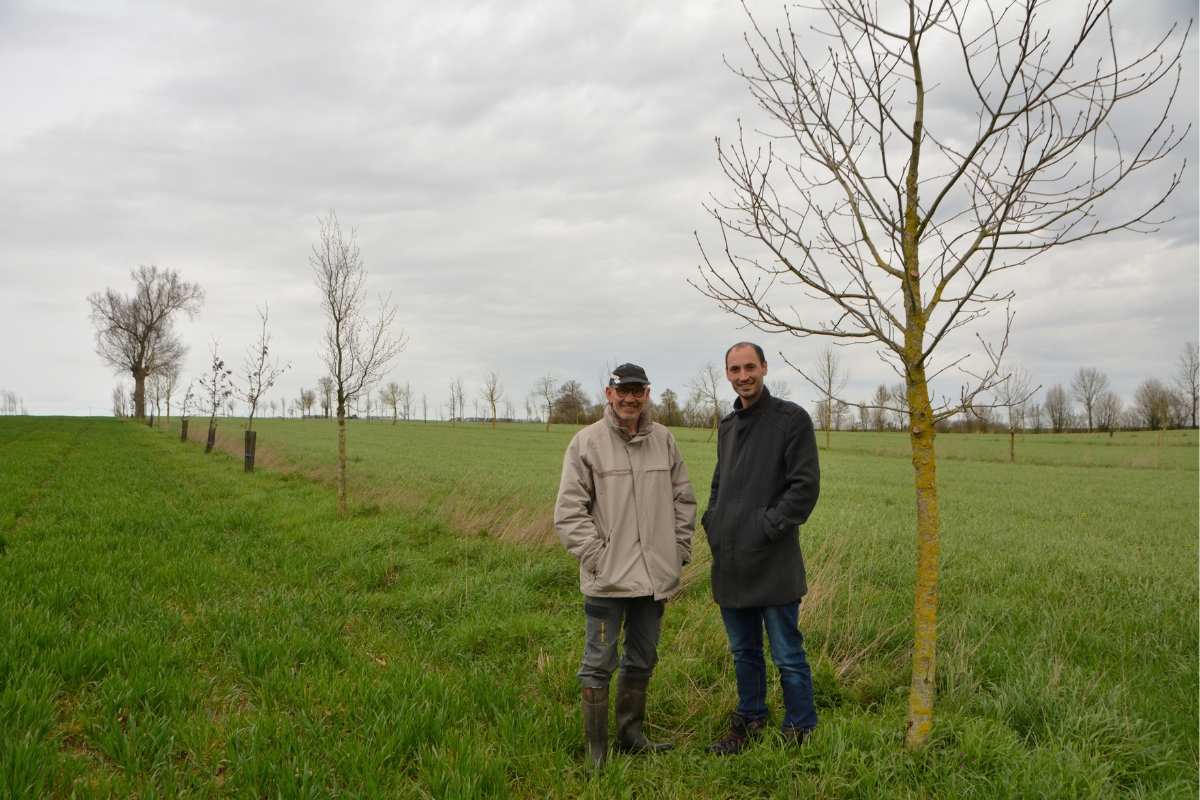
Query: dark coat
(764, 487)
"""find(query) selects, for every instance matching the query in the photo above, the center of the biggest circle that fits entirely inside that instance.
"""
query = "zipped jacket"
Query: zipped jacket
(626, 509)
(765, 485)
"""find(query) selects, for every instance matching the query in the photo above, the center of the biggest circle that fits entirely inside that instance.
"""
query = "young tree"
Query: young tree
(1012, 395)
(1087, 386)
(424, 408)
(491, 393)
(216, 386)
(1187, 379)
(356, 349)
(261, 372)
(887, 207)
(135, 334)
(881, 402)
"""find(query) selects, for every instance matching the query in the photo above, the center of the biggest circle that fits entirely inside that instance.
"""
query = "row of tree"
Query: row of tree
(11, 404)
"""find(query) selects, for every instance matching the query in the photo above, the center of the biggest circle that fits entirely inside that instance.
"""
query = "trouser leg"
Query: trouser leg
(743, 626)
(795, 676)
(643, 625)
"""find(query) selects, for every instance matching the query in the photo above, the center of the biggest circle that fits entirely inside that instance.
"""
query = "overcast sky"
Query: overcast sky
(524, 177)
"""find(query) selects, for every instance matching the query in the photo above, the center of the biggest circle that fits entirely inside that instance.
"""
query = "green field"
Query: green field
(170, 626)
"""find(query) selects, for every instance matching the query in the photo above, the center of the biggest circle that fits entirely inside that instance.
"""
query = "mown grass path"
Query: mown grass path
(172, 627)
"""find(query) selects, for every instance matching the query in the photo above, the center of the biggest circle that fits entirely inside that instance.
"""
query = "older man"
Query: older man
(764, 487)
(626, 510)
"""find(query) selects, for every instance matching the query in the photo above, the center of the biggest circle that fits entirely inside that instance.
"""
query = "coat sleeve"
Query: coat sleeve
(802, 476)
(573, 519)
(685, 504)
(716, 480)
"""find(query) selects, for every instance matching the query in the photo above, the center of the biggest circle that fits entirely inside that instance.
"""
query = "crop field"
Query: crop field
(171, 626)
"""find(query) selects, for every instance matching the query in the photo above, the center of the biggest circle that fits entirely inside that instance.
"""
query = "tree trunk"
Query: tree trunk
(212, 437)
(341, 461)
(251, 444)
(183, 425)
(139, 393)
(1012, 446)
(924, 460)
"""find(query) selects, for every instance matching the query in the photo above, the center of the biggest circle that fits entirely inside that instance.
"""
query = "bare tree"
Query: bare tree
(1058, 408)
(1152, 403)
(458, 396)
(1108, 412)
(546, 389)
(881, 402)
(325, 391)
(135, 334)
(865, 196)
(261, 372)
(706, 393)
(491, 393)
(1187, 380)
(406, 401)
(780, 389)
(356, 349)
(120, 401)
(1087, 385)
(424, 408)
(216, 387)
(830, 379)
(389, 396)
(1012, 395)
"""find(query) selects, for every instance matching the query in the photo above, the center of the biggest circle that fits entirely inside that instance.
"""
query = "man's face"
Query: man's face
(745, 373)
(628, 401)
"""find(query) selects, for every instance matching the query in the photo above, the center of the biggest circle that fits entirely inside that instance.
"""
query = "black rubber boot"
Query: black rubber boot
(595, 724)
(631, 713)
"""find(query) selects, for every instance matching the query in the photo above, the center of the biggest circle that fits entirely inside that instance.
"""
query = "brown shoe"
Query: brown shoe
(595, 724)
(631, 713)
(741, 732)
(795, 736)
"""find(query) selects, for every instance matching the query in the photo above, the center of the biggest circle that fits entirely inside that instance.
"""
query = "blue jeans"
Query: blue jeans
(744, 627)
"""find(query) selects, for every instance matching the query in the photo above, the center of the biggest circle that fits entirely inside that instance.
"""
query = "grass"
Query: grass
(170, 626)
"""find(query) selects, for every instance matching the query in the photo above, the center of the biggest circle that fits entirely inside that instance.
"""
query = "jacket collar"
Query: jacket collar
(763, 400)
(643, 425)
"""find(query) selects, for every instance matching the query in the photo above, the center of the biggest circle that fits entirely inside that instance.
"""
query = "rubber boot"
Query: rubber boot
(631, 713)
(595, 724)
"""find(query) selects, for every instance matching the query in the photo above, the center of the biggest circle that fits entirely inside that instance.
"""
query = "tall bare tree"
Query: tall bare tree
(1108, 412)
(888, 208)
(780, 389)
(135, 334)
(389, 396)
(1187, 379)
(1086, 386)
(260, 370)
(1152, 404)
(830, 379)
(491, 393)
(546, 389)
(706, 393)
(356, 349)
(325, 393)
(1058, 408)
(120, 401)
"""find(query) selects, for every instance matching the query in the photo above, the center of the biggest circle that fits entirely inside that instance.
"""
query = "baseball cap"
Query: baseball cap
(627, 374)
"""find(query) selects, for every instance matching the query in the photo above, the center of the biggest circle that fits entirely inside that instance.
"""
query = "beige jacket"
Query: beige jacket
(626, 509)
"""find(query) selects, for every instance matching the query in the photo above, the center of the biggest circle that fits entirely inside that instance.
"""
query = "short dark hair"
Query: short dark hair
(762, 359)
